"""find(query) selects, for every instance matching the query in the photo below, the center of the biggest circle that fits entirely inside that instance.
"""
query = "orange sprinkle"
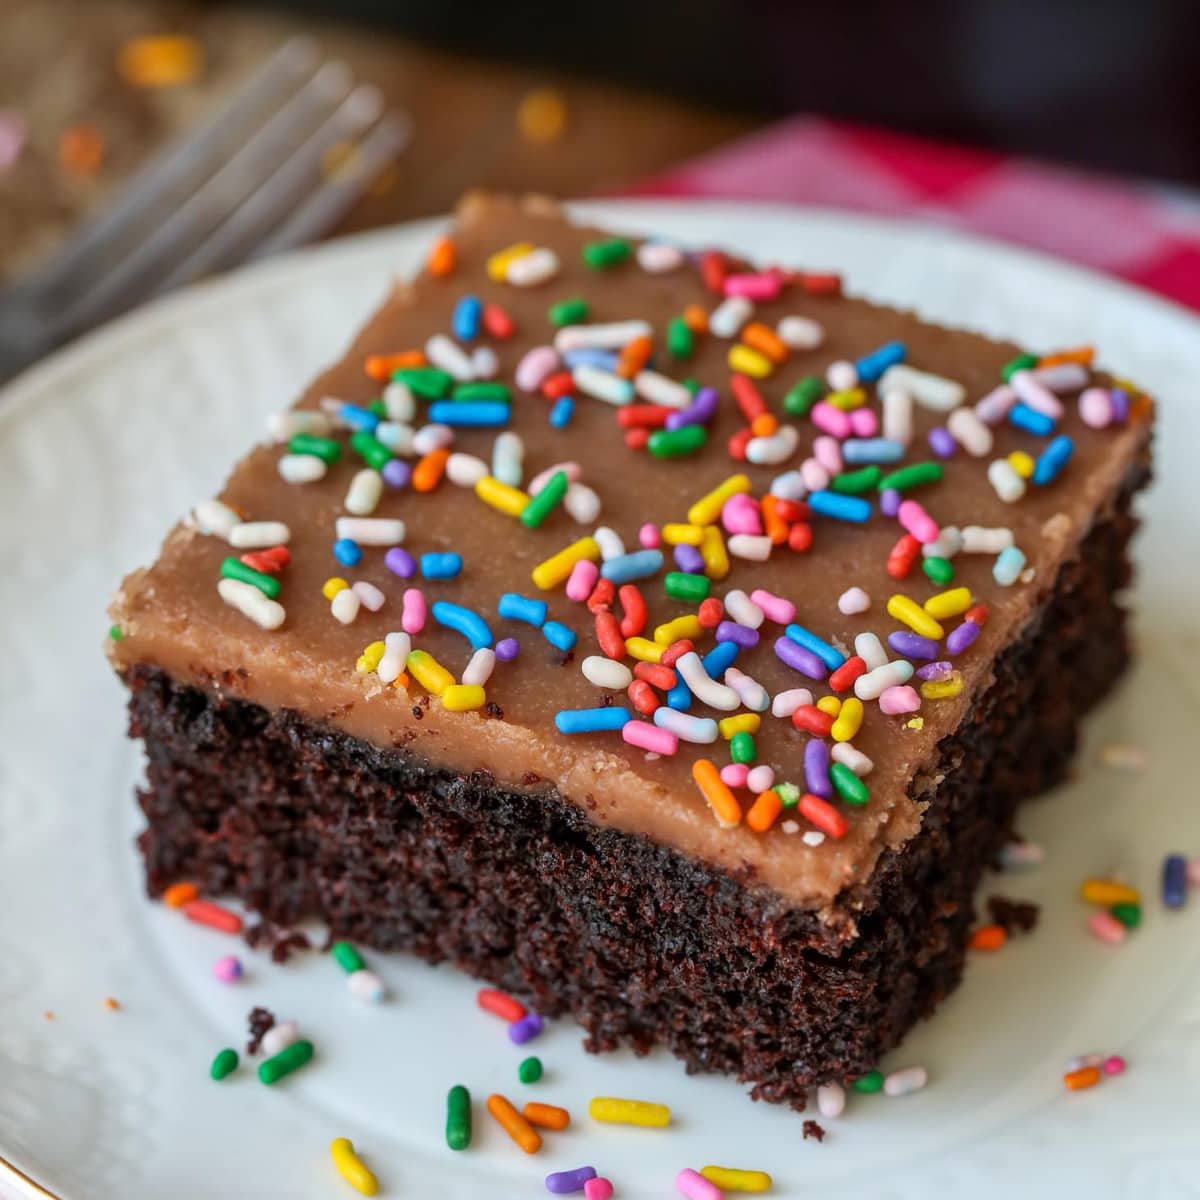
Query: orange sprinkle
(443, 258)
(516, 1126)
(542, 115)
(81, 149)
(634, 357)
(1085, 1077)
(1079, 354)
(165, 60)
(774, 525)
(714, 789)
(427, 474)
(988, 937)
(766, 807)
(695, 318)
(111, 1003)
(764, 425)
(380, 366)
(47, 1015)
(766, 341)
(547, 1116)
(179, 894)
(401, 681)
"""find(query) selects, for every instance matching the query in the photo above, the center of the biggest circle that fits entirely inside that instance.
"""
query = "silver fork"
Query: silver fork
(247, 182)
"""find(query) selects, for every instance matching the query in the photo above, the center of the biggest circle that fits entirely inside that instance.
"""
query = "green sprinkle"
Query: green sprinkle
(854, 483)
(803, 395)
(692, 385)
(742, 748)
(458, 1118)
(378, 407)
(114, 632)
(569, 312)
(530, 1070)
(1130, 915)
(681, 341)
(347, 957)
(675, 443)
(848, 785)
(234, 568)
(224, 1064)
(912, 476)
(610, 253)
(680, 585)
(1021, 363)
(788, 793)
(290, 1058)
(483, 389)
(374, 452)
(939, 570)
(871, 1082)
(427, 382)
(546, 501)
(323, 447)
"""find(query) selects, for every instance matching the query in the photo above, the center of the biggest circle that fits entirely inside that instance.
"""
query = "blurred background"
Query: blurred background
(1069, 125)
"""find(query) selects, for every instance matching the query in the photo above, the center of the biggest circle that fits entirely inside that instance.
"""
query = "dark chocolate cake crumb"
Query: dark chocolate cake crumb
(813, 1130)
(494, 710)
(260, 1020)
(289, 944)
(418, 712)
(1014, 915)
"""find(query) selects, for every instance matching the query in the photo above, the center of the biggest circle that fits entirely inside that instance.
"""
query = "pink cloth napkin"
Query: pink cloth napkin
(1147, 234)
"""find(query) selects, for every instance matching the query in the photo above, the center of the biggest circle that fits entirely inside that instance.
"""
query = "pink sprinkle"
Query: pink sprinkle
(831, 420)
(775, 608)
(572, 470)
(12, 137)
(993, 408)
(753, 287)
(598, 1188)
(815, 477)
(899, 699)
(864, 422)
(918, 522)
(1095, 408)
(649, 538)
(1193, 872)
(760, 777)
(734, 774)
(1107, 928)
(228, 969)
(1114, 1064)
(412, 617)
(535, 366)
(828, 452)
(1035, 394)
(694, 1186)
(650, 737)
(740, 515)
(581, 580)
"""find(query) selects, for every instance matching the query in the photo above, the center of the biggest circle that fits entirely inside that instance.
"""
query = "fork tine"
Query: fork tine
(174, 238)
(190, 158)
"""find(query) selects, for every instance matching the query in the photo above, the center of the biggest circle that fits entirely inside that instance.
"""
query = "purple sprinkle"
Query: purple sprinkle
(936, 672)
(701, 410)
(816, 768)
(507, 649)
(912, 645)
(941, 443)
(799, 659)
(399, 561)
(889, 502)
(961, 637)
(1119, 398)
(689, 559)
(743, 635)
(562, 1182)
(525, 1029)
(396, 473)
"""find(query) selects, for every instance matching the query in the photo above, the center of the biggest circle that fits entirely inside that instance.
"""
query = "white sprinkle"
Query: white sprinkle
(279, 1037)
(582, 504)
(396, 648)
(1015, 856)
(774, 449)
(484, 362)
(1005, 481)
(283, 426)
(970, 432)
(831, 1100)
(929, 391)
(534, 368)
(786, 703)
(397, 437)
(752, 693)
(841, 375)
(870, 649)
(447, 355)
(610, 543)
(508, 458)
(814, 476)
(602, 385)
(479, 670)
(603, 672)
(993, 408)
(800, 333)
(701, 731)
(250, 602)
(874, 683)
(256, 535)
(657, 258)
(365, 986)
(371, 531)
(790, 826)
(301, 468)
(729, 316)
(572, 470)
(345, 605)
(465, 470)
(659, 389)
(789, 486)
(398, 402)
(979, 539)
(947, 544)
(213, 517)
(897, 415)
(743, 610)
(848, 756)
(852, 601)
(905, 1081)
(432, 437)
(364, 493)
(1118, 756)
(814, 837)
(611, 336)
(1062, 377)
(751, 547)
(1035, 394)
(706, 689)
(531, 269)
(371, 597)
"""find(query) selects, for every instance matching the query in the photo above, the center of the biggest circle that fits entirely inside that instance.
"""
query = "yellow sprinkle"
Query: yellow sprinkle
(542, 115)
(629, 1112)
(340, 161)
(352, 1168)
(164, 60)
(748, 361)
(682, 627)
(463, 697)
(332, 586)
(942, 689)
(509, 500)
(847, 400)
(644, 650)
(1022, 463)
(916, 724)
(707, 509)
(372, 654)
(739, 723)
(555, 570)
(952, 603)
(497, 265)
(361, 665)
(712, 550)
(678, 534)
(910, 613)
(428, 672)
(830, 704)
(1108, 892)
(849, 720)
(730, 1179)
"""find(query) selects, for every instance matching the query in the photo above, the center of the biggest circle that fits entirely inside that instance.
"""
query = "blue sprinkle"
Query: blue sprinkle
(871, 450)
(1052, 460)
(1174, 881)
(843, 508)
(591, 720)
(560, 636)
(468, 313)
(641, 564)
(462, 620)
(871, 366)
(591, 356)
(562, 412)
(720, 658)
(347, 551)
(680, 696)
(441, 566)
(470, 414)
(1030, 420)
(515, 607)
(829, 655)
(1009, 564)
(358, 418)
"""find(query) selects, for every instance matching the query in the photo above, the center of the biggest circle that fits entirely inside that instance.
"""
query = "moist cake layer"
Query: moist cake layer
(172, 617)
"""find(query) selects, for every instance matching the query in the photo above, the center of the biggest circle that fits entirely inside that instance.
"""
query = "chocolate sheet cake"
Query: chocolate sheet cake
(696, 709)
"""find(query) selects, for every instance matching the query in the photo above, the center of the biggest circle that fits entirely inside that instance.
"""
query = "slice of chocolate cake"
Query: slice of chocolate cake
(664, 639)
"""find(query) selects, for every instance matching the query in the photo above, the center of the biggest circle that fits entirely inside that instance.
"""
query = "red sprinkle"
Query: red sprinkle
(656, 675)
(819, 285)
(977, 614)
(791, 510)
(749, 398)
(710, 612)
(904, 554)
(205, 912)
(810, 719)
(738, 443)
(800, 537)
(608, 634)
(643, 416)
(559, 384)
(823, 815)
(676, 650)
(842, 680)
(270, 561)
(602, 596)
(633, 605)
(643, 697)
(713, 269)
(501, 1004)
(498, 322)
(636, 439)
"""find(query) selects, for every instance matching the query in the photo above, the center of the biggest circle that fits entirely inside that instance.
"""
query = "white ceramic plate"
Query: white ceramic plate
(102, 446)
